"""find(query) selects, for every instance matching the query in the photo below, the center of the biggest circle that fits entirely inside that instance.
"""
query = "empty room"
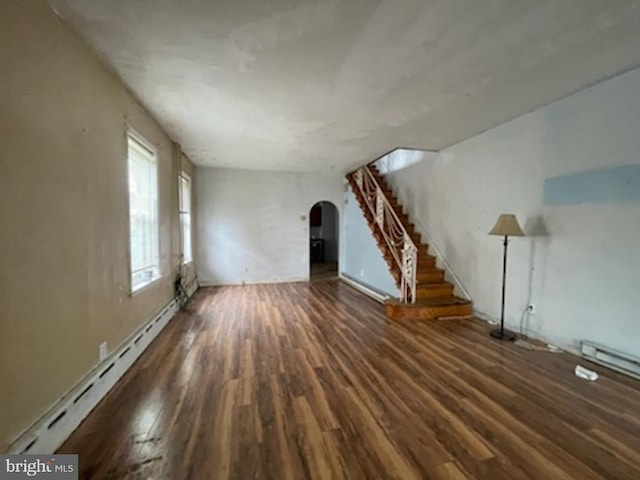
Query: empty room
(320, 239)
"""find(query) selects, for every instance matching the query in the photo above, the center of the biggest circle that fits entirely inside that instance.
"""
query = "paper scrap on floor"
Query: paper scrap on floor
(585, 373)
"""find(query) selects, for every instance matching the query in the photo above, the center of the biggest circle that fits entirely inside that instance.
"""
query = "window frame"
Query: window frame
(133, 134)
(186, 177)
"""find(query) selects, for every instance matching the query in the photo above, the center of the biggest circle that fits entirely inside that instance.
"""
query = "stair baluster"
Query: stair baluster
(397, 239)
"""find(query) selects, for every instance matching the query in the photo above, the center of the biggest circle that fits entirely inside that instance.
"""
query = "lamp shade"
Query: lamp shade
(507, 224)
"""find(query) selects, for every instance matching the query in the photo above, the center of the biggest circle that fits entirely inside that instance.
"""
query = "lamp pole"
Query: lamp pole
(502, 334)
(506, 226)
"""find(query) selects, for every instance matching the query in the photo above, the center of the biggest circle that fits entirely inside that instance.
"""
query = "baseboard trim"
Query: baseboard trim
(608, 357)
(253, 282)
(363, 288)
(58, 423)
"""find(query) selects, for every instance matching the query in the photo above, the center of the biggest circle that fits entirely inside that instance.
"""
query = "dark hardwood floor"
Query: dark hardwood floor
(310, 380)
(323, 271)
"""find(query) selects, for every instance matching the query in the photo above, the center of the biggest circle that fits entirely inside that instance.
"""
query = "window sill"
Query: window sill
(143, 286)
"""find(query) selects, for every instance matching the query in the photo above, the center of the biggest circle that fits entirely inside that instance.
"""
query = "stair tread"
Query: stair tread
(427, 278)
(432, 302)
(426, 270)
(434, 284)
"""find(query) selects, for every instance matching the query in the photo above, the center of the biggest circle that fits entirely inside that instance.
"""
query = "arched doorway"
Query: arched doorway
(323, 241)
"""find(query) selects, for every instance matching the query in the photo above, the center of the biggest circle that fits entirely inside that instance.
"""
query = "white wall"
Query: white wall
(253, 226)
(581, 265)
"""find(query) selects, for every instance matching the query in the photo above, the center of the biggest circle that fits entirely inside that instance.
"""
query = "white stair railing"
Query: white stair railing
(402, 247)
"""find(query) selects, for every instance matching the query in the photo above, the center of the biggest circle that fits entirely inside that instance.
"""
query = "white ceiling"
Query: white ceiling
(331, 84)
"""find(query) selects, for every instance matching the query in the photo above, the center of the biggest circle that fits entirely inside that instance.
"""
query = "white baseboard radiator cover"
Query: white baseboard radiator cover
(50, 432)
(364, 288)
(613, 359)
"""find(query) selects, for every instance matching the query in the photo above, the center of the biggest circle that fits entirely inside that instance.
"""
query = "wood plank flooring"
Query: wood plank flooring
(323, 271)
(310, 380)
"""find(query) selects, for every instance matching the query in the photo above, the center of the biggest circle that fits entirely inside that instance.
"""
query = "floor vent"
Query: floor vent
(46, 435)
(608, 357)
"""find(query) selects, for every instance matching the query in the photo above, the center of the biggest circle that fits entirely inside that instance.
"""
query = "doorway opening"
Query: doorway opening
(323, 241)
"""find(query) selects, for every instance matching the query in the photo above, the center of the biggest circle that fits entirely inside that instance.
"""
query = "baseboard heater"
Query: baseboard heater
(613, 359)
(364, 288)
(55, 426)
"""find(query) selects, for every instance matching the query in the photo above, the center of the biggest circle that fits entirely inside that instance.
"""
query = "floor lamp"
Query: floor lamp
(506, 226)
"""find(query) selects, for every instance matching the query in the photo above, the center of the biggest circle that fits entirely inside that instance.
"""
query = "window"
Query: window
(185, 217)
(143, 212)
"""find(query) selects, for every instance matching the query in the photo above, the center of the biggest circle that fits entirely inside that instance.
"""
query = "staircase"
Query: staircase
(425, 294)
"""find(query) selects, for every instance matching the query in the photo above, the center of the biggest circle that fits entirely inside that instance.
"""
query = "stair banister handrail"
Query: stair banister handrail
(391, 180)
(393, 231)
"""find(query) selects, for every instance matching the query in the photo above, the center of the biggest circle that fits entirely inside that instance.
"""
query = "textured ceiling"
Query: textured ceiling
(330, 84)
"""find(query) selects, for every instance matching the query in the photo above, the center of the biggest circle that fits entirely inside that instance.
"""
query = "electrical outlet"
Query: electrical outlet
(532, 309)
(103, 351)
(362, 273)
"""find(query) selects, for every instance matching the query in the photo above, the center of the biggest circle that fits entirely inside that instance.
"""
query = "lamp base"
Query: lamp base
(503, 334)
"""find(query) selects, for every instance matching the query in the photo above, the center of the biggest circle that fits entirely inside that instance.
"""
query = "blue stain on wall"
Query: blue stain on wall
(607, 185)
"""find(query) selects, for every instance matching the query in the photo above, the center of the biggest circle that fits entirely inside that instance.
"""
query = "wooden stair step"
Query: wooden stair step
(429, 275)
(429, 308)
(434, 290)
(423, 249)
(426, 261)
(395, 203)
(423, 275)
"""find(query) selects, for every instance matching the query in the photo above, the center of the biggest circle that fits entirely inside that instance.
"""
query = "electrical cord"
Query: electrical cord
(527, 309)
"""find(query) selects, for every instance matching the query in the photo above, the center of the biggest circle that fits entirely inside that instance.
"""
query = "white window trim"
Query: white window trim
(142, 286)
(131, 132)
(187, 177)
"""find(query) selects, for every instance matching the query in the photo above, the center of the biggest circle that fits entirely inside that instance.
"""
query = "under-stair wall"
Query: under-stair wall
(363, 261)
(424, 292)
